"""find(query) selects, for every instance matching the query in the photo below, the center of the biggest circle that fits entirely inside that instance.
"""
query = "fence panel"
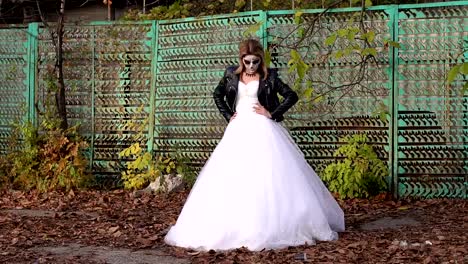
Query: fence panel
(432, 132)
(318, 126)
(15, 61)
(123, 55)
(170, 68)
(107, 72)
(192, 56)
(78, 77)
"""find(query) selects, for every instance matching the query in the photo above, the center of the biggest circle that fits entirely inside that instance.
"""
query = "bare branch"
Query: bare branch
(87, 1)
(46, 24)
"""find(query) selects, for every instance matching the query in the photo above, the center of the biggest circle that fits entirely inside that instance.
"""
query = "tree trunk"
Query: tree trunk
(60, 95)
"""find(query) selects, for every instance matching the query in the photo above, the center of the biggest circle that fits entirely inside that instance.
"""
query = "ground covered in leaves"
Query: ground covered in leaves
(34, 227)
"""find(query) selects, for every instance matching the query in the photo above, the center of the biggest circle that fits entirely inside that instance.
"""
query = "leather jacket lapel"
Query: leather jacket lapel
(232, 87)
(261, 84)
(235, 82)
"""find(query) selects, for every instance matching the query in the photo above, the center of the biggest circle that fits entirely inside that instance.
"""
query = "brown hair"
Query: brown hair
(252, 46)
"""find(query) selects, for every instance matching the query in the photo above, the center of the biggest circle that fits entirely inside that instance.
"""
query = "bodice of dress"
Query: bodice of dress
(246, 96)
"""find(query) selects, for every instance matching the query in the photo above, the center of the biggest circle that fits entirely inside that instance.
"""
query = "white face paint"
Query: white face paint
(251, 63)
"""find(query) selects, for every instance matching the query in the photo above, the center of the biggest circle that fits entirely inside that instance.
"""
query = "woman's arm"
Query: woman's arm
(219, 95)
(290, 97)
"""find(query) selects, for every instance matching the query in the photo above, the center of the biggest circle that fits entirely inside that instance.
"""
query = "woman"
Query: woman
(256, 190)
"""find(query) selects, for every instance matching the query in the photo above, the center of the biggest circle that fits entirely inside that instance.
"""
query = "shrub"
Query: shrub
(360, 174)
(50, 160)
(142, 167)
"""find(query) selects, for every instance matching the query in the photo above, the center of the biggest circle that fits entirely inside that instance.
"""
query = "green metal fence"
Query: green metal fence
(171, 68)
(431, 119)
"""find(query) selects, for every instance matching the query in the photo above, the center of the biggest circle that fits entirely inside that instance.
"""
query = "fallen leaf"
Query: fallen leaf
(427, 260)
(145, 242)
(355, 245)
(113, 229)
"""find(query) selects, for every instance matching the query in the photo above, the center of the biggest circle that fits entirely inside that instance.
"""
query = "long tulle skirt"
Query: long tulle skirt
(256, 191)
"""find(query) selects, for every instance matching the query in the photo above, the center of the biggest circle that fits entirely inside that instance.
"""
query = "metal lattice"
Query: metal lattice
(317, 130)
(107, 72)
(192, 56)
(14, 81)
(170, 69)
(432, 132)
(77, 71)
(122, 69)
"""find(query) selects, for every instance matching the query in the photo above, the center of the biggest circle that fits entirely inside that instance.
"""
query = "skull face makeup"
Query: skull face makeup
(251, 63)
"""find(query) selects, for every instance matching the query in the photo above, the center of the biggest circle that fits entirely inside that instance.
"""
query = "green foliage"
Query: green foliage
(179, 9)
(354, 41)
(360, 174)
(45, 160)
(253, 30)
(45, 157)
(267, 58)
(142, 167)
(298, 66)
(176, 163)
(195, 8)
(166, 165)
(456, 71)
(381, 111)
(391, 43)
(239, 4)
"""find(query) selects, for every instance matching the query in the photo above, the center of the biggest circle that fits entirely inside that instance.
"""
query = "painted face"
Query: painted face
(251, 63)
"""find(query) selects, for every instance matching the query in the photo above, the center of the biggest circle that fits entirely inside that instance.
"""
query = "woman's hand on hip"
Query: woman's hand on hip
(232, 117)
(259, 109)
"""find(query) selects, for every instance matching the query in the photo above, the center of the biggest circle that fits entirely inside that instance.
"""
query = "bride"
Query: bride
(256, 190)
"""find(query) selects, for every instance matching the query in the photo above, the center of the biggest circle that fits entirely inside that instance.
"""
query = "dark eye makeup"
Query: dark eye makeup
(256, 61)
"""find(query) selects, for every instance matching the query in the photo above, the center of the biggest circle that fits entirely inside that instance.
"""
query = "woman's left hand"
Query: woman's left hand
(259, 109)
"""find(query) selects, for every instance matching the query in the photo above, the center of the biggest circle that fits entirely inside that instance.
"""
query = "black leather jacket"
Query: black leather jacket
(226, 92)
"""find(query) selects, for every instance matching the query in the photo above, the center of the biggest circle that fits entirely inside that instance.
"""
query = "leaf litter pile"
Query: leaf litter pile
(378, 230)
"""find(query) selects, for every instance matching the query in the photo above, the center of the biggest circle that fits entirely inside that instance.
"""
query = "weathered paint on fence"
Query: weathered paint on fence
(171, 68)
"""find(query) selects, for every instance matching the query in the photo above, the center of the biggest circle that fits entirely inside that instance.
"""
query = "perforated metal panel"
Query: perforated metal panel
(432, 132)
(14, 81)
(318, 129)
(172, 67)
(107, 72)
(192, 56)
(77, 70)
(78, 77)
(122, 74)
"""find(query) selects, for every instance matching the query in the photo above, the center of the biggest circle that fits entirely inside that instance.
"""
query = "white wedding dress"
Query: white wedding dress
(256, 191)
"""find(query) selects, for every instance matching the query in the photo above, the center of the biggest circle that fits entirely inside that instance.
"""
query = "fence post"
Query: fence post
(93, 95)
(33, 34)
(394, 92)
(264, 29)
(152, 96)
